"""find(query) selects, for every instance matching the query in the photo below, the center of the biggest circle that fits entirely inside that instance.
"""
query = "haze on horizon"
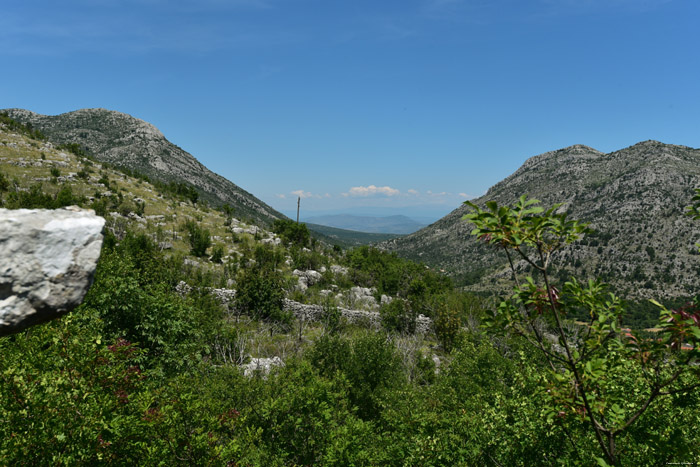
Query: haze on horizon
(406, 107)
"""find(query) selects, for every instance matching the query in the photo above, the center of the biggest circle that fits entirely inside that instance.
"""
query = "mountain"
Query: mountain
(633, 198)
(128, 142)
(390, 224)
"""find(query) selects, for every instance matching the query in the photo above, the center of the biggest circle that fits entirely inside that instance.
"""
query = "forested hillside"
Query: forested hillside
(161, 364)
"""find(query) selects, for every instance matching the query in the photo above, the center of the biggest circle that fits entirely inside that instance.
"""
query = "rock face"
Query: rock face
(47, 262)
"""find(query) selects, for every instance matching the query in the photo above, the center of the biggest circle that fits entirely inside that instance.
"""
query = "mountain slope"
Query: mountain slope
(125, 141)
(634, 198)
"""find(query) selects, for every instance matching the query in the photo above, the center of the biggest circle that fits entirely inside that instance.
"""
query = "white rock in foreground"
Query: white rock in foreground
(47, 262)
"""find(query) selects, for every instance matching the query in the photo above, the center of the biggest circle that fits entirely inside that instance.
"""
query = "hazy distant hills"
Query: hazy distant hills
(125, 141)
(634, 198)
(398, 224)
(347, 238)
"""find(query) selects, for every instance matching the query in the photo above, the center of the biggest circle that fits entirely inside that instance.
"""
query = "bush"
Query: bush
(259, 294)
(132, 303)
(398, 316)
(36, 198)
(447, 325)
(332, 318)
(292, 232)
(217, 253)
(199, 238)
(368, 362)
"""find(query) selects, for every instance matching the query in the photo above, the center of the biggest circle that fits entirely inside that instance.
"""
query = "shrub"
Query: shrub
(292, 232)
(369, 362)
(447, 325)
(217, 253)
(129, 296)
(331, 318)
(259, 294)
(398, 316)
(199, 238)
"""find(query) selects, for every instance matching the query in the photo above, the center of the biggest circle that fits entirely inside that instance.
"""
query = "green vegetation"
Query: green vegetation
(292, 232)
(145, 372)
(260, 295)
(600, 380)
(75, 148)
(14, 125)
(36, 198)
(199, 238)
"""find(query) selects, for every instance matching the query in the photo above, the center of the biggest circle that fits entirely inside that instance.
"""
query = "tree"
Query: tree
(597, 373)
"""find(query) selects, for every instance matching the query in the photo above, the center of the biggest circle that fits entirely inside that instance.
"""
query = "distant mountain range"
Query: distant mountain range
(634, 198)
(128, 142)
(398, 224)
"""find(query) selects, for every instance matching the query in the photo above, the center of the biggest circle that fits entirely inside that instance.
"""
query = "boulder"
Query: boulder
(47, 263)
(311, 277)
(261, 366)
(336, 269)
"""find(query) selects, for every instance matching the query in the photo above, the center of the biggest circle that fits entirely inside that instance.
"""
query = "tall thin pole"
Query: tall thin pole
(298, 202)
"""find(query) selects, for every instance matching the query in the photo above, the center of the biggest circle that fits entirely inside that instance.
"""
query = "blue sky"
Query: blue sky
(405, 106)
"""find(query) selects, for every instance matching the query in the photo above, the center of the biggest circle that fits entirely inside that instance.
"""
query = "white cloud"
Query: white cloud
(464, 195)
(411, 191)
(281, 195)
(372, 190)
(302, 193)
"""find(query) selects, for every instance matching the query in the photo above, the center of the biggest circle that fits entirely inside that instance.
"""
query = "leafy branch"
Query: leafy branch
(585, 366)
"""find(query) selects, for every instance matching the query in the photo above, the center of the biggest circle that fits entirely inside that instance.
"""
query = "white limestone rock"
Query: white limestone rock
(261, 366)
(47, 263)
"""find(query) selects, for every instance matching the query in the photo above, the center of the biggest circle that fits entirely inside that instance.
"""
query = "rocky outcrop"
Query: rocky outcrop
(306, 278)
(47, 263)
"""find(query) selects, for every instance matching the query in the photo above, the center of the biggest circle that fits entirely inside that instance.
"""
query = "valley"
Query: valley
(219, 332)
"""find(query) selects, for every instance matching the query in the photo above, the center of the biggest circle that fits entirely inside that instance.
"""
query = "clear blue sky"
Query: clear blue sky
(411, 103)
